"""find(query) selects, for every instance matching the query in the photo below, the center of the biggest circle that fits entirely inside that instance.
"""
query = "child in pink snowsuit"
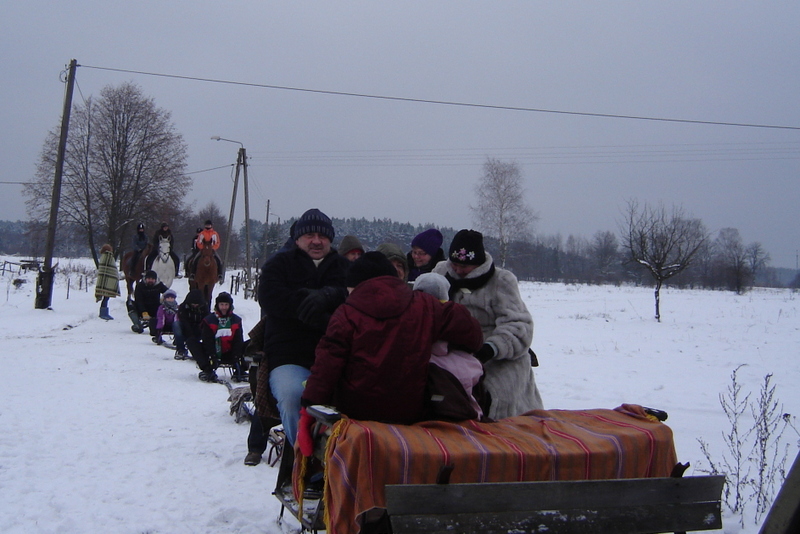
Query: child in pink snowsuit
(463, 365)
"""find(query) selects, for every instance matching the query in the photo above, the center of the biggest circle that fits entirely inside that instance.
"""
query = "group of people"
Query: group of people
(371, 333)
(209, 336)
(204, 237)
(359, 330)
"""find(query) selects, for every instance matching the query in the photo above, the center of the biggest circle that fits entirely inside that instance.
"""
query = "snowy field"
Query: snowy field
(102, 431)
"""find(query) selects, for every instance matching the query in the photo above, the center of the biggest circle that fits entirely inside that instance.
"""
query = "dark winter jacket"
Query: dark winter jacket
(222, 335)
(166, 234)
(287, 280)
(262, 287)
(414, 271)
(191, 313)
(139, 242)
(148, 298)
(372, 362)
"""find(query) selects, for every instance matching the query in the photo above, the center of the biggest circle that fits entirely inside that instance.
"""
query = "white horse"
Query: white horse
(164, 265)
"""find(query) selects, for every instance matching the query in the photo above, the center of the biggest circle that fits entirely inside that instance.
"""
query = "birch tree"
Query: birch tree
(501, 211)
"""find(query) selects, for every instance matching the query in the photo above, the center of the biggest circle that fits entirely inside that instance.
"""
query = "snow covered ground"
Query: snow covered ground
(102, 431)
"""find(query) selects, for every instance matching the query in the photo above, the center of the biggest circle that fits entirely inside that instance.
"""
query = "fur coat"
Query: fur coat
(508, 326)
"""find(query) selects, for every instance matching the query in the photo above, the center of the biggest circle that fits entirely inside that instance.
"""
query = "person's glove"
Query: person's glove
(485, 353)
(159, 339)
(316, 307)
(145, 316)
(305, 441)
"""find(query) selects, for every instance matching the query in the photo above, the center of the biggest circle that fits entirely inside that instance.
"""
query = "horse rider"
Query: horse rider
(139, 244)
(208, 234)
(163, 233)
(189, 263)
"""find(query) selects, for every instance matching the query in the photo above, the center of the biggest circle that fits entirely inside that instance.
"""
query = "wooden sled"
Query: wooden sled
(371, 467)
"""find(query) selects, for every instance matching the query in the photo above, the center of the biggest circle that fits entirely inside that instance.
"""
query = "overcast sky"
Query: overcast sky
(731, 62)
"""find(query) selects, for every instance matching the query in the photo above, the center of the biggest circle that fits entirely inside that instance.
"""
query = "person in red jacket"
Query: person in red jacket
(208, 234)
(372, 362)
(222, 340)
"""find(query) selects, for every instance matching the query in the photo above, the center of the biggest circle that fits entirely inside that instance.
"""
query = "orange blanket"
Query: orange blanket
(363, 456)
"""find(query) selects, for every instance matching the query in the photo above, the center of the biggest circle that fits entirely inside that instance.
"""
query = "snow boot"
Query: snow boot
(104, 313)
(208, 376)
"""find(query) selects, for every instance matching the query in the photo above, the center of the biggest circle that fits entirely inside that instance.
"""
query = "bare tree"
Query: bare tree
(757, 257)
(662, 242)
(124, 164)
(732, 260)
(501, 211)
(604, 250)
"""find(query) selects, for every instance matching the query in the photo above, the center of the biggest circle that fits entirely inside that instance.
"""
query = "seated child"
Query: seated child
(167, 317)
(462, 365)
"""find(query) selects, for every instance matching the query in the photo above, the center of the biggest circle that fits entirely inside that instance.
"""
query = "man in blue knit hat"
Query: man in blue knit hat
(302, 287)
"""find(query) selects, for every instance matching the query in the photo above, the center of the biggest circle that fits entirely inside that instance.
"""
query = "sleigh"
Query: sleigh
(555, 471)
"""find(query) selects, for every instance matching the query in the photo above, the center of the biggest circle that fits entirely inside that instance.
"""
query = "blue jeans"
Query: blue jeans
(287, 384)
(180, 340)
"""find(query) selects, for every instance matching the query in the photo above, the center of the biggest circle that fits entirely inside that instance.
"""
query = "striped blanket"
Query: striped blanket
(363, 456)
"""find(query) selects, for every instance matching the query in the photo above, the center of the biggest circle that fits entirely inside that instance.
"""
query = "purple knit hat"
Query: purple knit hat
(430, 241)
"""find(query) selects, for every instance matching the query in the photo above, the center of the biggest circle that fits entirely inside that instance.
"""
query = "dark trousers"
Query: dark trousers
(195, 347)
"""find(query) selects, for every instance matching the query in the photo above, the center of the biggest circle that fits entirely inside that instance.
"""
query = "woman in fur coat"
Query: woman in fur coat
(492, 296)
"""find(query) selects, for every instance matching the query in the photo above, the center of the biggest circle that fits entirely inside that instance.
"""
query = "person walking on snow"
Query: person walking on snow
(107, 280)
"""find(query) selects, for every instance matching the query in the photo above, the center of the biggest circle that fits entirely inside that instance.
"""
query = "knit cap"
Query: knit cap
(350, 243)
(393, 252)
(430, 241)
(170, 293)
(312, 221)
(433, 284)
(370, 265)
(467, 248)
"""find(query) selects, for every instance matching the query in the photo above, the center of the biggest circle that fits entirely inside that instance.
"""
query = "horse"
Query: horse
(134, 274)
(164, 264)
(205, 271)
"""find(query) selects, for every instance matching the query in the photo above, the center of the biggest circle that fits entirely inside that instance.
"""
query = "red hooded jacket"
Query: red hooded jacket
(372, 362)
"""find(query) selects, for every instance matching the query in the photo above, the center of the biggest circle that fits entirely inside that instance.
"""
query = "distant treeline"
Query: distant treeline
(547, 259)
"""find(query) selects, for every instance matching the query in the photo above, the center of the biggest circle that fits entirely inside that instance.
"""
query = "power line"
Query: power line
(211, 169)
(445, 102)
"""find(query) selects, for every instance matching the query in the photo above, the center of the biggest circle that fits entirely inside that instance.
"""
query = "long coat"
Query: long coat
(372, 362)
(107, 277)
(508, 326)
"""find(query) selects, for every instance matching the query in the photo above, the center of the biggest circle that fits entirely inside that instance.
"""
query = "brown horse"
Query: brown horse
(134, 274)
(205, 271)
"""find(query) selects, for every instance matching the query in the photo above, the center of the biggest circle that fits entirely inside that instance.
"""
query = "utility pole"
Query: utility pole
(266, 234)
(241, 163)
(44, 282)
(230, 216)
(247, 279)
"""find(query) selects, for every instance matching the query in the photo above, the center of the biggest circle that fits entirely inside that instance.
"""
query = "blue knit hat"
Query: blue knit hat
(311, 221)
(430, 241)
